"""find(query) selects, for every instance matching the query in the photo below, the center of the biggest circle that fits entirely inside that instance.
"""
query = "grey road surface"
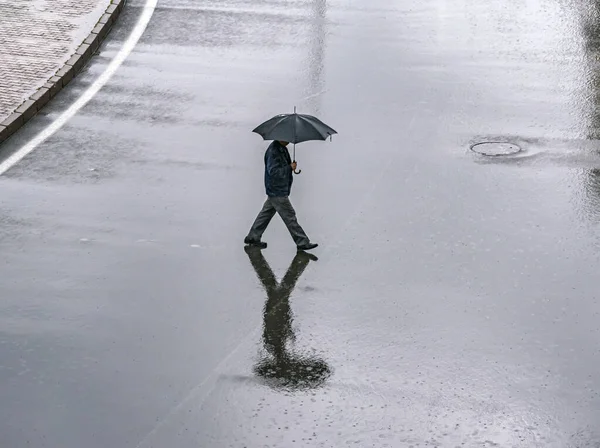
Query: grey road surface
(455, 299)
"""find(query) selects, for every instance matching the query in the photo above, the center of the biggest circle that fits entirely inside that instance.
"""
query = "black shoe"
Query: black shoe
(308, 246)
(254, 243)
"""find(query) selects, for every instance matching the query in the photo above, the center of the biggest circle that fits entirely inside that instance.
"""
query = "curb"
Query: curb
(65, 74)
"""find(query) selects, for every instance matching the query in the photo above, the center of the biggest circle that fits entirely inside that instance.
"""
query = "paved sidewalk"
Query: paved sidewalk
(37, 37)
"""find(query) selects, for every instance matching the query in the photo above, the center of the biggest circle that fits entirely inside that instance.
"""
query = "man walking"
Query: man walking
(278, 183)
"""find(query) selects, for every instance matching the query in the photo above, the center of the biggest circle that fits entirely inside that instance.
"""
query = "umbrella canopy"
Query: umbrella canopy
(293, 373)
(294, 128)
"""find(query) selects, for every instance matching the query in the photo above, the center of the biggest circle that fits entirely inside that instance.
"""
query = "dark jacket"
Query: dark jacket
(278, 170)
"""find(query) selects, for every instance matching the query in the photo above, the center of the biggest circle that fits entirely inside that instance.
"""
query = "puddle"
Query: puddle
(495, 149)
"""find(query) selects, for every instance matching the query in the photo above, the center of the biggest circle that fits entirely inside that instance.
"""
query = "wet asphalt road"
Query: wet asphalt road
(454, 301)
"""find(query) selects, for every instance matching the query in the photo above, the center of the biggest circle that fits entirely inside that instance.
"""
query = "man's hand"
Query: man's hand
(294, 165)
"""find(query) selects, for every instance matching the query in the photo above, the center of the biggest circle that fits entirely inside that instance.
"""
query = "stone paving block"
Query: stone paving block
(53, 87)
(41, 97)
(3, 133)
(119, 4)
(106, 18)
(93, 40)
(100, 30)
(27, 109)
(76, 62)
(85, 51)
(66, 74)
(13, 122)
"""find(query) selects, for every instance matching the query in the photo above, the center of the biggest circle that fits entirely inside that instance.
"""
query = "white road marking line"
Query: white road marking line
(136, 34)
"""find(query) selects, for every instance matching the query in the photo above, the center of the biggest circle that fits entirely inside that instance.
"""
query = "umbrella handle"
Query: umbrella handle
(299, 171)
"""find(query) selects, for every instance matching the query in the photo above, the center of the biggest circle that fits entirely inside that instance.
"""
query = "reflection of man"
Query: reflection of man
(278, 183)
(289, 369)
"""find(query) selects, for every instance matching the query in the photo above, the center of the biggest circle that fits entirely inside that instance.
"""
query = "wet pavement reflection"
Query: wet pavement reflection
(455, 299)
(590, 30)
(315, 58)
(281, 367)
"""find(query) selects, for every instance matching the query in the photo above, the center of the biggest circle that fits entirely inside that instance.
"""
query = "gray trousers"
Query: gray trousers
(284, 208)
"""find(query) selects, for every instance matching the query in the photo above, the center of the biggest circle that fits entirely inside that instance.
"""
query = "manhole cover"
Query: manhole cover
(495, 148)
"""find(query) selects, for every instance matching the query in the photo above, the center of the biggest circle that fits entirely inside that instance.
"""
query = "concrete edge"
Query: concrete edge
(65, 74)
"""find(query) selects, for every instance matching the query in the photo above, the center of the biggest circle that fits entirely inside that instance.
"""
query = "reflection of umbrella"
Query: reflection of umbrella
(281, 368)
(293, 373)
(294, 128)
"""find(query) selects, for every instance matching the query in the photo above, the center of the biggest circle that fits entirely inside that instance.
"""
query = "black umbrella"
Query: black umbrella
(294, 128)
(293, 372)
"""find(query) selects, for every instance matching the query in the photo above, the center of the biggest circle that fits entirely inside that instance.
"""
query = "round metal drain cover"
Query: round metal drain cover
(495, 148)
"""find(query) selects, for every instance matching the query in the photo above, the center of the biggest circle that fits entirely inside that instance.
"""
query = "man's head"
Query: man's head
(283, 143)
